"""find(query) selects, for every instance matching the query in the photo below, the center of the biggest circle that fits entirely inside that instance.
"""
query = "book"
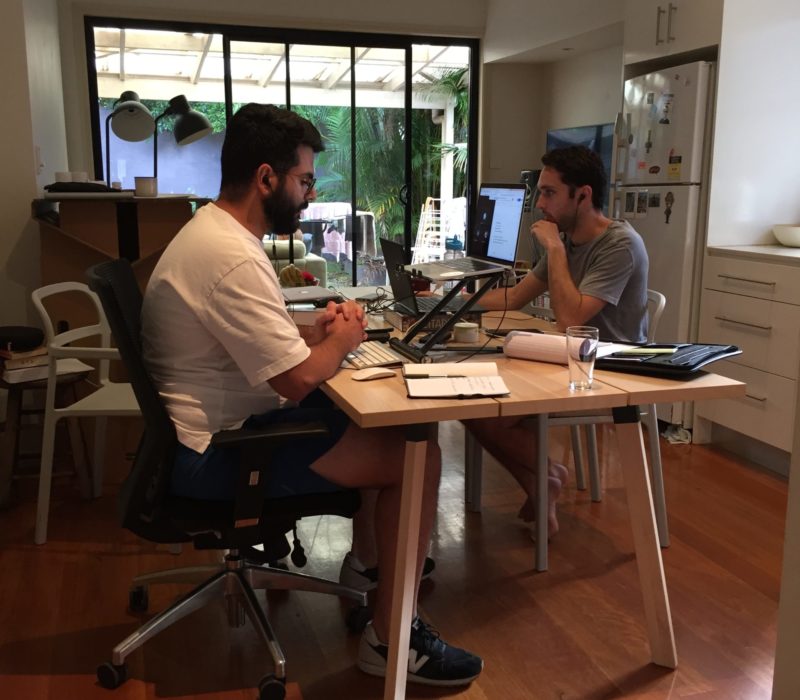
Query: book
(19, 355)
(453, 380)
(404, 321)
(17, 363)
(31, 374)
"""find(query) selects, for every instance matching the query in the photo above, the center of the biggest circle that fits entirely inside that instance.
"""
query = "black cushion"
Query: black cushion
(20, 338)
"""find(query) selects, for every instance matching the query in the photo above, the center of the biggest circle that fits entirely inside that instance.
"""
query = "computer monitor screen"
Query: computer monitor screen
(598, 137)
(497, 218)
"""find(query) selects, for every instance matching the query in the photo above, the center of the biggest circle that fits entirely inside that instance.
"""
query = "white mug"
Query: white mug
(63, 176)
(146, 186)
(465, 332)
(80, 176)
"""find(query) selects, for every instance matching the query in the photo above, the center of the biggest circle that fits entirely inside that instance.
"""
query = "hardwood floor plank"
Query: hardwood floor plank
(574, 632)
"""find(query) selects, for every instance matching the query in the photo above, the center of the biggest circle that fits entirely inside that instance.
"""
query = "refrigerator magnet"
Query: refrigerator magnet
(630, 205)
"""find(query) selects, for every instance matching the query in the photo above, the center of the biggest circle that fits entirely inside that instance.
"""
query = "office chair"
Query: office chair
(147, 508)
(108, 399)
(473, 454)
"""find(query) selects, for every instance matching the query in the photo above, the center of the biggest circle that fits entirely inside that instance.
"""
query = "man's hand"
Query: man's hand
(348, 310)
(546, 232)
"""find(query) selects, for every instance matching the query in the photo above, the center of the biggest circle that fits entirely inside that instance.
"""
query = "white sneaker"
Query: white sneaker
(430, 660)
(355, 575)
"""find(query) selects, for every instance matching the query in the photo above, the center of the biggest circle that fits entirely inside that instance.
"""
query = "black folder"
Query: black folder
(685, 361)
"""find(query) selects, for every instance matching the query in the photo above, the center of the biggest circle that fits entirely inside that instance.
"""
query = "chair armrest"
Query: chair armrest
(85, 353)
(271, 434)
(256, 449)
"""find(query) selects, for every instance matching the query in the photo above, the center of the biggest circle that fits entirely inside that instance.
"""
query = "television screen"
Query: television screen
(598, 137)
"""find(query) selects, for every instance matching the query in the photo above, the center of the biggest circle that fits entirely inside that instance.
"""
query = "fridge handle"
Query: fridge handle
(672, 10)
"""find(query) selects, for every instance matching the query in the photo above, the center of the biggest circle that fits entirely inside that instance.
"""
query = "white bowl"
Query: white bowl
(787, 234)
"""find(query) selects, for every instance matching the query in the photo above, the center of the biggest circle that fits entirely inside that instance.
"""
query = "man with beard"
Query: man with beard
(224, 353)
(595, 269)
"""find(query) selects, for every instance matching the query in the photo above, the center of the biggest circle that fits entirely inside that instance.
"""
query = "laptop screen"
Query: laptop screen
(496, 230)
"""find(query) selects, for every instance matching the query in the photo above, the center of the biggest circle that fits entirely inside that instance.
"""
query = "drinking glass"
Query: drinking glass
(581, 351)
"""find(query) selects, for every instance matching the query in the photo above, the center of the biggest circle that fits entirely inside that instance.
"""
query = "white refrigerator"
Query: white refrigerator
(661, 189)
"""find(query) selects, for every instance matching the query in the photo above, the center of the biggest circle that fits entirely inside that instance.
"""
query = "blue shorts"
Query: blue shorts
(211, 475)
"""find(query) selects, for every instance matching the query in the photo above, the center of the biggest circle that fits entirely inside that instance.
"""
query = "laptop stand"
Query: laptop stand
(417, 353)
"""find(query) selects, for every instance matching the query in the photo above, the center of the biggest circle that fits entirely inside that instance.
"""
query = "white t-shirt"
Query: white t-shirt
(215, 328)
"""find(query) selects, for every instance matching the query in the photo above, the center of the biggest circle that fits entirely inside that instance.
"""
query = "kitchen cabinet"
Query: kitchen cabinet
(751, 298)
(658, 28)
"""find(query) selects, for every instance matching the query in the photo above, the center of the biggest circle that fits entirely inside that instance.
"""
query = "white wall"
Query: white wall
(515, 26)
(586, 89)
(756, 166)
(511, 120)
(521, 101)
(25, 63)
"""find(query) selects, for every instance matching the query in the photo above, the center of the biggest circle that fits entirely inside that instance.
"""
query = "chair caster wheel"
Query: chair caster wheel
(138, 599)
(111, 676)
(357, 618)
(271, 688)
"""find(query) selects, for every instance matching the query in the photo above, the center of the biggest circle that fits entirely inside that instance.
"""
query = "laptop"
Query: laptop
(405, 301)
(492, 242)
(308, 295)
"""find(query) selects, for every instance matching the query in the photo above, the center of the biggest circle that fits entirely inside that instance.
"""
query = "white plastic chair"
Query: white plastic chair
(110, 398)
(473, 453)
(656, 302)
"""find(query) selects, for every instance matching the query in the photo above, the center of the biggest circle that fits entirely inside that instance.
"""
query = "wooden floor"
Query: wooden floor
(575, 631)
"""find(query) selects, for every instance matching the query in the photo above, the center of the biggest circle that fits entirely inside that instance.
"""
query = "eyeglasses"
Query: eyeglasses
(307, 182)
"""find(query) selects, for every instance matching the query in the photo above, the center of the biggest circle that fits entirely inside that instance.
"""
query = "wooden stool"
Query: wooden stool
(9, 438)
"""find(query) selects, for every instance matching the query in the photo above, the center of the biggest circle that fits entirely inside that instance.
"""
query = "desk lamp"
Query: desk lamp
(190, 125)
(130, 121)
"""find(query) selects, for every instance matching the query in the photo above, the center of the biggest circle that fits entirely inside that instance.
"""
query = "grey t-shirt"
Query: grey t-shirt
(613, 267)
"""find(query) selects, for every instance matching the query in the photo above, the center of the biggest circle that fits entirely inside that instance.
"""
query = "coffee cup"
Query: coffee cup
(465, 332)
(63, 176)
(145, 186)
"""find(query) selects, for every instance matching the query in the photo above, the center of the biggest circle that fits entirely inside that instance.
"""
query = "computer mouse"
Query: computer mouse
(452, 273)
(362, 375)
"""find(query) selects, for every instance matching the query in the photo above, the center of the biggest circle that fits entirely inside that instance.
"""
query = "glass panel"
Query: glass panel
(258, 73)
(320, 90)
(380, 155)
(157, 66)
(440, 128)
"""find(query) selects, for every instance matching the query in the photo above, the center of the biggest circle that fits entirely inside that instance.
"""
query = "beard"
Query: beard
(281, 212)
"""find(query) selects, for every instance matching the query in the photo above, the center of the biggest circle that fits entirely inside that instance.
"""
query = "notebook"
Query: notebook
(492, 242)
(405, 301)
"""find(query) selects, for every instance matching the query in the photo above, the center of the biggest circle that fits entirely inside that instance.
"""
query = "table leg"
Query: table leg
(406, 557)
(645, 537)
(542, 493)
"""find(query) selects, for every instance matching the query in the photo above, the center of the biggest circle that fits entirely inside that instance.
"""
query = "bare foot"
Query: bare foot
(527, 513)
(559, 471)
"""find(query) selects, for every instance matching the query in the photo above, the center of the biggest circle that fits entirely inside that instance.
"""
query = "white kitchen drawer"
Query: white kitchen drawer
(768, 332)
(766, 412)
(752, 278)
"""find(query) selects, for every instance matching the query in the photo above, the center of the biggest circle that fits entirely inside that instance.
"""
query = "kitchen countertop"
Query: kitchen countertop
(772, 253)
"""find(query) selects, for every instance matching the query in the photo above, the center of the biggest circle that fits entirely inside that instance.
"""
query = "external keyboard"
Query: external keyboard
(371, 353)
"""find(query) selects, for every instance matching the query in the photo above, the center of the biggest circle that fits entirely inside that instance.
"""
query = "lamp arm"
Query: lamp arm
(165, 113)
(108, 150)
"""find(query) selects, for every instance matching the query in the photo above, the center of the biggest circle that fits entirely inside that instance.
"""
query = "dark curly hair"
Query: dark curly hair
(259, 134)
(579, 166)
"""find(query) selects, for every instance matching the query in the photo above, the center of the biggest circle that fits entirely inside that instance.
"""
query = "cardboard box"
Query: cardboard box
(403, 321)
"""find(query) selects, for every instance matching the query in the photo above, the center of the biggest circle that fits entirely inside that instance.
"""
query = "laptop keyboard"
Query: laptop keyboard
(373, 353)
(692, 355)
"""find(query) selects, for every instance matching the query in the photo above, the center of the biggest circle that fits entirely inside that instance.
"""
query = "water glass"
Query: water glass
(581, 351)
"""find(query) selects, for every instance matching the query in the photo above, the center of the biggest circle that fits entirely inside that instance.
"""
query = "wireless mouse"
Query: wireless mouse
(362, 375)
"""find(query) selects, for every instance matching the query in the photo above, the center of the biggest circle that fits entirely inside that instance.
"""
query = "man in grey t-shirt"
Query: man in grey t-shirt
(596, 272)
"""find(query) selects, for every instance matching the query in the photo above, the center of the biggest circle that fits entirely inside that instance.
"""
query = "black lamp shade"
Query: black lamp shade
(190, 127)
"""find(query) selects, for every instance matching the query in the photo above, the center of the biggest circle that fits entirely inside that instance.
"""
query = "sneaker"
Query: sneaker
(355, 575)
(430, 660)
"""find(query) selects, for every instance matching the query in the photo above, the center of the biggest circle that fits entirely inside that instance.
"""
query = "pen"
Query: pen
(435, 376)
(647, 351)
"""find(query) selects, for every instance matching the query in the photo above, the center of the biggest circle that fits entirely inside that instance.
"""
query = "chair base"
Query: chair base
(236, 580)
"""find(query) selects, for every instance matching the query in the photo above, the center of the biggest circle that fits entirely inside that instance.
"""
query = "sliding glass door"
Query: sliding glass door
(396, 115)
